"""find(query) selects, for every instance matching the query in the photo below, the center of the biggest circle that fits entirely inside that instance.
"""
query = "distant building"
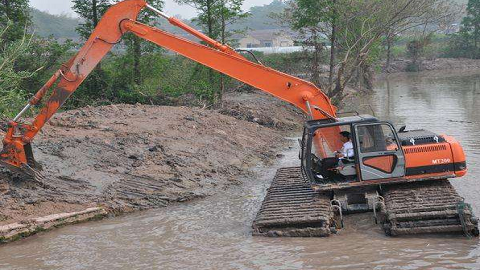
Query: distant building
(265, 38)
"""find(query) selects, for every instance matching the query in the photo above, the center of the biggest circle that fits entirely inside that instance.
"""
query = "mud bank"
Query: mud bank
(15, 231)
(124, 158)
(400, 65)
(263, 109)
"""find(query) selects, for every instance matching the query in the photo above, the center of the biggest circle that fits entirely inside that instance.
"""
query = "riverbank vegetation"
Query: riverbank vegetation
(346, 44)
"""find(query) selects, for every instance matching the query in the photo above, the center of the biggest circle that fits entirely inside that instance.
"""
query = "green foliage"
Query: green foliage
(137, 47)
(26, 59)
(290, 63)
(466, 43)
(471, 23)
(412, 67)
(214, 16)
(57, 26)
(415, 50)
(459, 46)
(12, 97)
(168, 80)
(312, 13)
(43, 57)
(91, 11)
(375, 53)
(437, 46)
(15, 11)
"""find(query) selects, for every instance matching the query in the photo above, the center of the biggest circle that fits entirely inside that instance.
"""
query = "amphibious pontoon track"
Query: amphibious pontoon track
(426, 207)
(291, 208)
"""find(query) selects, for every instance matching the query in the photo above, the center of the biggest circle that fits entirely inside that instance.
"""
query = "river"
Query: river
(214, 233)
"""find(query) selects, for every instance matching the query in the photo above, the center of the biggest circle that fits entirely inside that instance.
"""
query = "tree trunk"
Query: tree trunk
(368, 76)
(316, 64)
(359, 82)
(210, 22)
(316, 58)
(224, 40)
(389, 52)
(338, 89)
(95, 23)
(137, 54)
(94, 13)
(475, 54)
(333, 40)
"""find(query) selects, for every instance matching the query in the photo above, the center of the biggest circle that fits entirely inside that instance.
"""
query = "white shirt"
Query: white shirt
(347, 150)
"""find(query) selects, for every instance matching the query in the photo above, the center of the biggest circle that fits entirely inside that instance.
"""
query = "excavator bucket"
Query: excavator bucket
(17, 154)
(18, 158)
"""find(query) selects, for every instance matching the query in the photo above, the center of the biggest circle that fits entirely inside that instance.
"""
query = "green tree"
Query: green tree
(317, 18)
(471, 26)
(27, 58)
(214, 17)
(16, 11)
(41, 59)
(12, 97)
(91, 11)
(357, 28)
(137, 47)
(230, 12)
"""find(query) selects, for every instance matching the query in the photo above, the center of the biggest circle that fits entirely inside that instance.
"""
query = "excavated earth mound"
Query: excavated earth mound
(263, 109)
(133, 157)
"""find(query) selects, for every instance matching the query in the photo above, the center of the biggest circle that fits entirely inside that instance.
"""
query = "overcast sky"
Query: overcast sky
(64, 6)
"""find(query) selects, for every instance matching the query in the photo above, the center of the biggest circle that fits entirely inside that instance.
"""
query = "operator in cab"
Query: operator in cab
(347, 152)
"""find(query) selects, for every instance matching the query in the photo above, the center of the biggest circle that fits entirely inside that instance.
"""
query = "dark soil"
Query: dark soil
(263, 109)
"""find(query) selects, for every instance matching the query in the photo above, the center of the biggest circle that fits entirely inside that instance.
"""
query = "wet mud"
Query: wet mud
(136, 157)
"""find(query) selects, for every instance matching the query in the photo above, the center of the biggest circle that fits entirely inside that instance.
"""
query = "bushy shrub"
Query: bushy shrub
(12, 96)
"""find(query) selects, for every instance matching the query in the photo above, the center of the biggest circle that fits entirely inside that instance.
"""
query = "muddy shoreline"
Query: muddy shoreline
(125, 158)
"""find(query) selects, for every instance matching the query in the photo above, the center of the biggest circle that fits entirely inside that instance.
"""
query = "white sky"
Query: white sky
(64, 6)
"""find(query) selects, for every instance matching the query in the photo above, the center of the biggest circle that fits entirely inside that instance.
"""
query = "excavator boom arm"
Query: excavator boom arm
(121, 18)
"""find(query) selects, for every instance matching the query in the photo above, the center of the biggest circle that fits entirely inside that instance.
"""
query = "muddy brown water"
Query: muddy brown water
(214, 233)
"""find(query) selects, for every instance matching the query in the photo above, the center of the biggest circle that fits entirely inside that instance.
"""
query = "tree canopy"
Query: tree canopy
(16, 11)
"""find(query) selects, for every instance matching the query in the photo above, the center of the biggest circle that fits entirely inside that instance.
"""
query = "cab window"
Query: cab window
(376, 138)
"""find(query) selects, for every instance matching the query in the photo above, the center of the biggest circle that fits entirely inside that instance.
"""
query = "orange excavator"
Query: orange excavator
(400, 176)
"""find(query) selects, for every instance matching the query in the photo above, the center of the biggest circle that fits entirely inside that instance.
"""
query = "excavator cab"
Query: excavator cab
(377, 153)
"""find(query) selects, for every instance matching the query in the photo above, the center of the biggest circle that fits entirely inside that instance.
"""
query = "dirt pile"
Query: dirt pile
(263, 109)
(129, 157)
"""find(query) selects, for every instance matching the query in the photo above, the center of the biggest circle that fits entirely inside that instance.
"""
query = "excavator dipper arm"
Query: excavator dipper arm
(118, 20)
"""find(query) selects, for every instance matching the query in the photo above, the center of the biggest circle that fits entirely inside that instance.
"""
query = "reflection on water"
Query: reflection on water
(215, 233)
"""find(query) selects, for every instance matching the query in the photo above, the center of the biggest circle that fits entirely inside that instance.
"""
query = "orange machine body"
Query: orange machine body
(447, 159)
(423, 163)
